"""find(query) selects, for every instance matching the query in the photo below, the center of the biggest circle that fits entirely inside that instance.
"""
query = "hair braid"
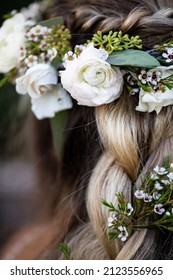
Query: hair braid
(133, 142)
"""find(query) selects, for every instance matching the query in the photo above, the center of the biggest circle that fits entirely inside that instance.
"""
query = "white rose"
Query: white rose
(90, 79)
(12, 37)
(155, 100)
(37, 80)
(48, 104)
(47, 97)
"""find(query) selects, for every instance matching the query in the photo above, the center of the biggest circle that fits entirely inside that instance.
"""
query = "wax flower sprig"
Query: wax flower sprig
(43, 45)
(156, 82)
(163, 52)
(152, 206)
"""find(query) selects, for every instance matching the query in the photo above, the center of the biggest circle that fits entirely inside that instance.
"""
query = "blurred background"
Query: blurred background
(18, 190)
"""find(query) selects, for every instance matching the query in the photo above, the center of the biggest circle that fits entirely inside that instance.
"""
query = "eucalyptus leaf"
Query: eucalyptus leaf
(58, 124)
(50, 22)
(134, 58)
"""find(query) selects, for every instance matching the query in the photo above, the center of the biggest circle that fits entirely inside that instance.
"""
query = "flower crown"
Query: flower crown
(93, 74)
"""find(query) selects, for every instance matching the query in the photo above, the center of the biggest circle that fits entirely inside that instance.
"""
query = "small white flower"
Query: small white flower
(79, 49)
(90, 79)
(167, 213)
(159, 97)
(22, 53)
(147, 197)
(158, 209)
(52, 53)
(69, 56)
(139, 194)
(32, 37)
(170, 176)
(37, 30)
(171, 165)
(158, 186)
(168, 55)
(134, 91)
(156, 195)
(154, 77)
(44, 57)
(131, 80)
(165, 182)
(123, 233)
(172, 211)
(47, 33)
(143, 77)
(31, 60)
(112, 220)
(129, 209)
(154, 177)
(160, 170)
(43, 45)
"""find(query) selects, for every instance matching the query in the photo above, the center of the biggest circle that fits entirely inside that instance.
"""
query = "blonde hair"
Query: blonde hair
(132, 142)
(107, 149)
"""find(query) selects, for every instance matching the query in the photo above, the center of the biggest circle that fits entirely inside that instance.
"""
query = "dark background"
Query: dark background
(18, 190)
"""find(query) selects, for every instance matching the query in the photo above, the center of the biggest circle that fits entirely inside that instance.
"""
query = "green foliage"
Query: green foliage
(66, 251)
(116, 41)
(51, 22)
(152, 205)
(58, 124)
(3, 81)
(135, 58)
(109, 205)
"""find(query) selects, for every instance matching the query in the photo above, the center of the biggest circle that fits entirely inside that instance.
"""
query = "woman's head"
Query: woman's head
(109, 148)
(126, 142)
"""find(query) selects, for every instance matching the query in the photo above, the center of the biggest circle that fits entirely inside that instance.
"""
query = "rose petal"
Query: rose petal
(50, 103)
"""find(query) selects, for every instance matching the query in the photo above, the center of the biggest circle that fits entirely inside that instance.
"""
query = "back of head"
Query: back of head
(130, 142)
(108, 148)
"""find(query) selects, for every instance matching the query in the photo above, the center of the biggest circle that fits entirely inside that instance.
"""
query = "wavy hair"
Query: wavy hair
(107, 149)
(130, 142)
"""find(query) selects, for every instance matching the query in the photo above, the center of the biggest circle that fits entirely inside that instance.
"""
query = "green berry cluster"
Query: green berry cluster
(116, 41)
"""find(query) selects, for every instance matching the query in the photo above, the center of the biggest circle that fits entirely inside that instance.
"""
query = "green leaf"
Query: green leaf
(113, 235)
(109, 205)
(51, 22)
(166, 162)
(169, 228)
(66, 251)
(4, 80)
(58, 124)
(134, 58)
